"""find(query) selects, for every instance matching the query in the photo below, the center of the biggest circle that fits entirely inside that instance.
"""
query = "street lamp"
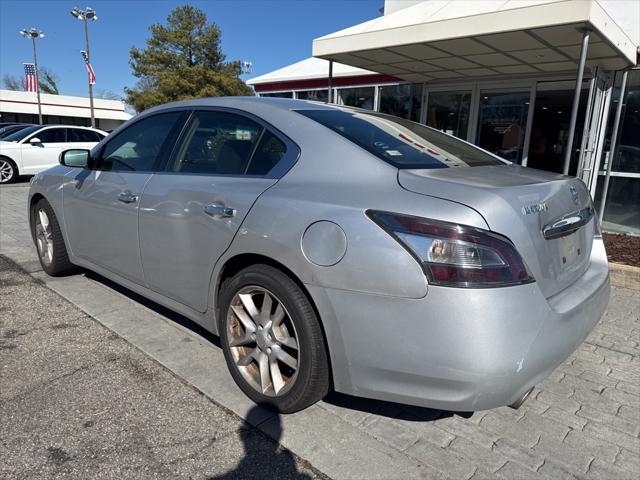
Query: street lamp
(34, 33)
(85, 15)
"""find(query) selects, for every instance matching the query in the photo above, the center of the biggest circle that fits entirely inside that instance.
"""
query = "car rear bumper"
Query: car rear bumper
(458, 349)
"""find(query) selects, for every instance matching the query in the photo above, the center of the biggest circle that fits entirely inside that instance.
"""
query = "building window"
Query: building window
(550, 129)
(278, 94)
(502, 122)
(622, 207)
(315, 95)
(449, 112)
(361, 97)
(403, 100)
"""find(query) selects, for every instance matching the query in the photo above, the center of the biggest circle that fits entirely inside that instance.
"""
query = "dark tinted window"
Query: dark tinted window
(400, 142)
(217, 143)
(269, 152)
(80, 135)
(52, 135)
(138, 147)
(20, 134)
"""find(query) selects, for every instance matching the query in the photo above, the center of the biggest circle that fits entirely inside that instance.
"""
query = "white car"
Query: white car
(36, 148)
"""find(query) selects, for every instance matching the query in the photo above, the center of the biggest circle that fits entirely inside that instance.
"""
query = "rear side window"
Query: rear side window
(400, 142)
(80, 135)
(217, 143)
(52, 135)
(269, 152)
(138, 147)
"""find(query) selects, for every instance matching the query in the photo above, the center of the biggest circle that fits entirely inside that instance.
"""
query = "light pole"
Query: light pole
(86, 15)
(34, 33)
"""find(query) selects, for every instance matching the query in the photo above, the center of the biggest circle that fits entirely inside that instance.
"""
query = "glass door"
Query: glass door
(502, 121)
(449, 112)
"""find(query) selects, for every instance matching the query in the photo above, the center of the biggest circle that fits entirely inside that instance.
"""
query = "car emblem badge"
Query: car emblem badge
(574, 194)
(534, 208)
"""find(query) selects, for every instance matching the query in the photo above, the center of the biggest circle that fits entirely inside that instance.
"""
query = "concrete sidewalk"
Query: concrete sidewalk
(583, 421)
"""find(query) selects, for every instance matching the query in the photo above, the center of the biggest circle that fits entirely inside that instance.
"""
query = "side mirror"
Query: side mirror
(75, 158)
(35, 141)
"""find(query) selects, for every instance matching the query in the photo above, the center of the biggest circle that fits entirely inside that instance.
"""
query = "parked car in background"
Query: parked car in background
(7, 130)
(30, 150)
(332, 246)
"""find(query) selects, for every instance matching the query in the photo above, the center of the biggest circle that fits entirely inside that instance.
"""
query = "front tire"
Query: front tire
(47, 236)
(272, 339)
(8, 170)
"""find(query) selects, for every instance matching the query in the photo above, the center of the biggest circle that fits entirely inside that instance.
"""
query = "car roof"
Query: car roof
(245, 102)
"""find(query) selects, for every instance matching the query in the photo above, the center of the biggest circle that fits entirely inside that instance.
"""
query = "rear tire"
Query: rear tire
(8, 170)
(47, 236)
(275, 351)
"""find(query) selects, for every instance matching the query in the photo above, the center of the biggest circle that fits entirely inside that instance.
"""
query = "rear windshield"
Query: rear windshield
(400, 142)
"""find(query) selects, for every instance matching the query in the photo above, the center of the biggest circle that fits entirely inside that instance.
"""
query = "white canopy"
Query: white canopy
(440, 39)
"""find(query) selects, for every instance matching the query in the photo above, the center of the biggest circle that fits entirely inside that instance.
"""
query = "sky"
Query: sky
(269, 33)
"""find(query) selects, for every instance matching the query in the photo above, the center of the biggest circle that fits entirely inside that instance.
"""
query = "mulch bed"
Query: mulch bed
(623, 248)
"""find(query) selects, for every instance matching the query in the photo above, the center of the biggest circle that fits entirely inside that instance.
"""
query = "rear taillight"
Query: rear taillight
(456, 255)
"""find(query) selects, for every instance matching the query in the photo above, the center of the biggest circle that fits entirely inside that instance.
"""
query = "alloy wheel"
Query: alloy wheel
(263, 341)
(6, 171)
(44, 238)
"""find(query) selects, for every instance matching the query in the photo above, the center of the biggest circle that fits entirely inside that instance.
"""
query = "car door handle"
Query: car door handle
(127, 197)
(216, 210)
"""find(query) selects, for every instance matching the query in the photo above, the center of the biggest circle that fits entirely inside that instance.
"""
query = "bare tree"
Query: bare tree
(47, 80)
(108, 94)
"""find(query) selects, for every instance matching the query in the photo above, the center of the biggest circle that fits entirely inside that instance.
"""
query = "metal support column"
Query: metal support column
(330, 90)
(613, 147)
(576, 102)
(35, 65)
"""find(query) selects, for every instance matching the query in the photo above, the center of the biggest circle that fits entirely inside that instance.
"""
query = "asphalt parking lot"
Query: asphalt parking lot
(582, 422)
(78, 401)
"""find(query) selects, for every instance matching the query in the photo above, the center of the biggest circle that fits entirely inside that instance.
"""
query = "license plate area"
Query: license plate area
(571, 249)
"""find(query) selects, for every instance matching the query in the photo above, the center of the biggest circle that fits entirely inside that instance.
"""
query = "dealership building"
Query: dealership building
(549, 84)
(22, 107)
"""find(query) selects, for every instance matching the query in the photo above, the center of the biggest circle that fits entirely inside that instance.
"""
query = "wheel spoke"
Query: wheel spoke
(44, 220)
(240, 341)
(249, 325)
(249, 305)
(247, 359)
(276, 376)
(263, 365)
(289, 342)
(287, 359)
(278, 315)
(265, 311)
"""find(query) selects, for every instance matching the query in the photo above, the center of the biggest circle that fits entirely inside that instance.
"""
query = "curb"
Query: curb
(624, 276)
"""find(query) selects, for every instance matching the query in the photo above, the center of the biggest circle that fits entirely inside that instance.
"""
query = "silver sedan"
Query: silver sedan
(335, 248)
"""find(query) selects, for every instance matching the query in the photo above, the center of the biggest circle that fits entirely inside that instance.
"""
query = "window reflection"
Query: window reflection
(502, 122)
(403, 100)
(361, 97)
(449, 112)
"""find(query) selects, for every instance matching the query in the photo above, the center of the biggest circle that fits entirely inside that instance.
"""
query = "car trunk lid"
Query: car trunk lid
(548, 217)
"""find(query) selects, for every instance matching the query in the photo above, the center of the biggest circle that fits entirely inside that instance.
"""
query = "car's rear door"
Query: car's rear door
(101, 205)
(190, 213)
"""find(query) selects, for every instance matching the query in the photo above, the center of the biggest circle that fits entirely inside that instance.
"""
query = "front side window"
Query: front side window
(400, 142)
(217, 143)
(138, 147)
(52, 135)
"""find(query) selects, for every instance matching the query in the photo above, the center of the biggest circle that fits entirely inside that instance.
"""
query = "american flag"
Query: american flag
(92, 75)
(30, 81)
